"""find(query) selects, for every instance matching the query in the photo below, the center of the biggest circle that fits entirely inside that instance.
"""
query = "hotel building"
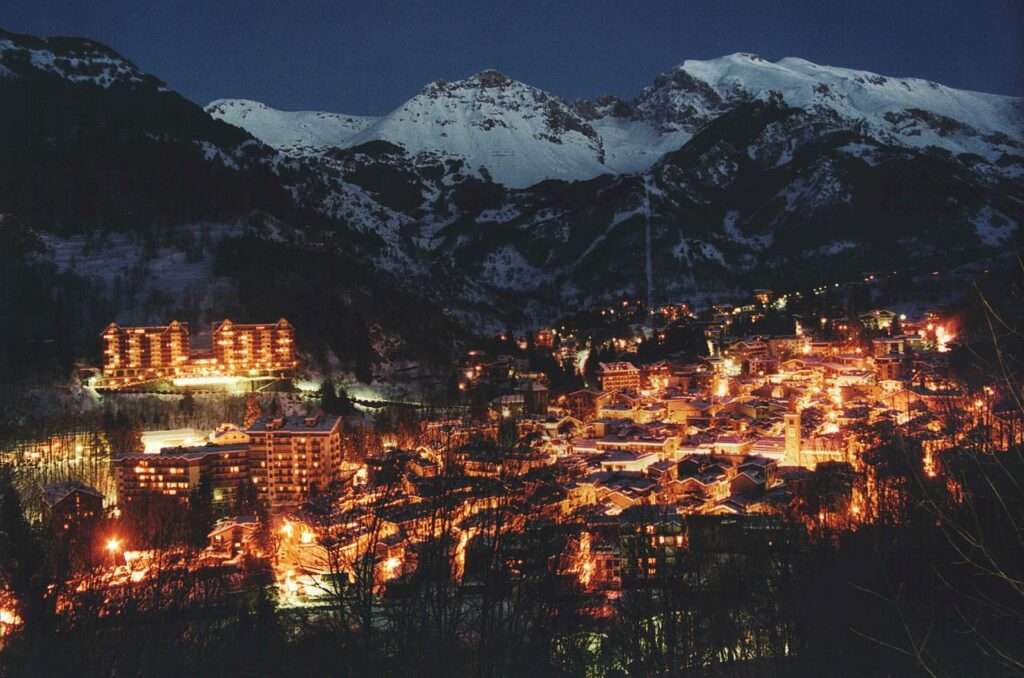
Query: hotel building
(238, 347)
(135, 355)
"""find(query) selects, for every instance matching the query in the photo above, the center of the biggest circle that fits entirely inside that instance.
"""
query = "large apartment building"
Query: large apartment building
(254, 346)
(289, 457)
(175, 472)
(143, 353)
(135, 355)
(286, 459)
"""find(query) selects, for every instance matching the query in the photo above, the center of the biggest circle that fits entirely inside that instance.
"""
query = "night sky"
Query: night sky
(367, 57)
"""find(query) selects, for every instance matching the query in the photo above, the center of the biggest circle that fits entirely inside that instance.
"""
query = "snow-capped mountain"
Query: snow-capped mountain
(491, 202)
(520, 135)
(72, 59)
(499, 128)
(906, 111)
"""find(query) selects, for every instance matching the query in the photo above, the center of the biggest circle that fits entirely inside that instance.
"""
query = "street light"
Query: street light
(113, 547)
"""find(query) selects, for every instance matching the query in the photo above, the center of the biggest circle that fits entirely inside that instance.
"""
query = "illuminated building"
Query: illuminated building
(241, 348)
(879, 319)
(72, 505)
(544, 338)
(535, 397)
(652, 541)
(656, 377)
(889, 367)
(292, 456)
(618, 376)
(888, 346)
(584, 403)
(763, 297)
(176, 471)
(135, 355)
(626, 460)
(792, 439)
(233, 535)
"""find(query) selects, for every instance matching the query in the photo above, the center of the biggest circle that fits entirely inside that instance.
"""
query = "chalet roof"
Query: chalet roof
(660, 466)
(626, 455)
(244, 522)
(55, 493)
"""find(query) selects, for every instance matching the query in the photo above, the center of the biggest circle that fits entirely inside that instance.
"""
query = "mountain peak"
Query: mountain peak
(501, 128)
(490, 77)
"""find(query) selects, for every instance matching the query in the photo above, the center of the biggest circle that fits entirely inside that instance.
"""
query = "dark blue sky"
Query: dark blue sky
(366, 57)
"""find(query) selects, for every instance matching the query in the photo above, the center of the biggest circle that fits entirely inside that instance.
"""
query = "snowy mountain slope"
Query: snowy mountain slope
(71, 59)
(293, 132)
(764, 193)
(634, 145)
(853, 93)
(496, 203)
(519, 134)
(905, 111)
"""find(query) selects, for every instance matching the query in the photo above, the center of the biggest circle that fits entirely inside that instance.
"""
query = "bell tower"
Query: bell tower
(792, 427)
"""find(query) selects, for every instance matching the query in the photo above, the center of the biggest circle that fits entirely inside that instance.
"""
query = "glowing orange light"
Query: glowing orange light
(113, 545)
(723, 388)
(391, 566)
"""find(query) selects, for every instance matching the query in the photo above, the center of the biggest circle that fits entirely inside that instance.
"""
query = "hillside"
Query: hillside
(486, 202)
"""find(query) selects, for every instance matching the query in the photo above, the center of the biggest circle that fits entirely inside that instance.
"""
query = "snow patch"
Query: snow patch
(506, 267)
(756, 242)
(499, 216)
(993, 227)
(292, 132)
(833, 248)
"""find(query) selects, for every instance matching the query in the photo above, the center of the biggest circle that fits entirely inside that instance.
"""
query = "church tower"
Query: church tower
(792, 426)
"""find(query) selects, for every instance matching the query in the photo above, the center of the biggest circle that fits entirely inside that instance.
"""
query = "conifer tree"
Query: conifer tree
(252, 410)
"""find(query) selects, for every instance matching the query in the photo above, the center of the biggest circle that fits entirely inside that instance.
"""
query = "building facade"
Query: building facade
(619, 376)
(290, 457)
(135, 355)
(71, 506)
(175, 472)
(240, 348)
